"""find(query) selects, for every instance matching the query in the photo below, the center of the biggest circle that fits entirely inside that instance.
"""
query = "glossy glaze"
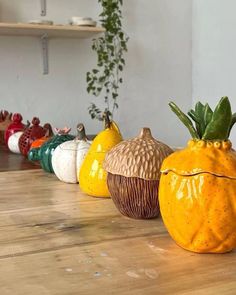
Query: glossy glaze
(13, 142)
(68, 158)
(45, 152)
(133, 168)
(39, 142)
(216, 157)
(14, 127)
(92, 176)
(30, 134)
(197, 196)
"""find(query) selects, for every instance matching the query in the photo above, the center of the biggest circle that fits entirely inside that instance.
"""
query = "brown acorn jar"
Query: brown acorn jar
(133, 168)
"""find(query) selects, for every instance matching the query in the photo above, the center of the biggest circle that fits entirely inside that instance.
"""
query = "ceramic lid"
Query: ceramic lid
(79, 143)
(139, 157)
(217, 158)
(5, 120)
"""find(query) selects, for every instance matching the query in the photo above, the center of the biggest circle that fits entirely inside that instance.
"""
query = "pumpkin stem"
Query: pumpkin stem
(107, 120)
(48, 128)
(81, 135)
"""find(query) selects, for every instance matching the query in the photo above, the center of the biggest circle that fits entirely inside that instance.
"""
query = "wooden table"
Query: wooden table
(56, 240)
(13, 162)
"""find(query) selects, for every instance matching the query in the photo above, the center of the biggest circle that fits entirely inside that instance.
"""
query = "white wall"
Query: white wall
(214, 51)
(158, 67)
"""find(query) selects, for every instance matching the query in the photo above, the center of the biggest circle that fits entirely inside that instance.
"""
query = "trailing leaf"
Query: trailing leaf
(110, 49)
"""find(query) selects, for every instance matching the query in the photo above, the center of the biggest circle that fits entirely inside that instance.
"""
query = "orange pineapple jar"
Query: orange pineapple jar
(197, 191)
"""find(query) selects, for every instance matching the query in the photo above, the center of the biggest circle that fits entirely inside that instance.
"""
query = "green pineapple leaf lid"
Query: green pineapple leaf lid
(205, 124)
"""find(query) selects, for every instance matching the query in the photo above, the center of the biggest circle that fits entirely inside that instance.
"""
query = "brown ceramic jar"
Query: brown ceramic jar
(133, 168)
(5, 121)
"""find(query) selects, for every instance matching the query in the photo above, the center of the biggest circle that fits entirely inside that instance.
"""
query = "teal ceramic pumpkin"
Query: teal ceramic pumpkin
(45, 152)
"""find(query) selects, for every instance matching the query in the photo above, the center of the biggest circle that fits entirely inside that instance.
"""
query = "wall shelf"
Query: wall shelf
(55, 31)
(46, 32)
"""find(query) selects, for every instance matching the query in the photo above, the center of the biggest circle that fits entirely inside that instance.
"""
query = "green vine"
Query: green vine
(110, 49)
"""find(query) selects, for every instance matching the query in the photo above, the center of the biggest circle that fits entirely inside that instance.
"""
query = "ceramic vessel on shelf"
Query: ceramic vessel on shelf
(68, 156)
(197, 190)
(92, 176)
(82, 21)
(133, 168)
(45, 152)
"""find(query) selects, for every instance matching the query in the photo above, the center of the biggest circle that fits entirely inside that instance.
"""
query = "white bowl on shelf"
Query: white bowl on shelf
(82, 21)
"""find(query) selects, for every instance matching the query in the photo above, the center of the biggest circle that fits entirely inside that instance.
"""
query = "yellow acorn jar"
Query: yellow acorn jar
(92, 177)
(197, 191)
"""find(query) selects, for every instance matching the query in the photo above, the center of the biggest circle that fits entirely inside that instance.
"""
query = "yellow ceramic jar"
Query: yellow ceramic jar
(197, 191)
(198, 196)
(92, 176)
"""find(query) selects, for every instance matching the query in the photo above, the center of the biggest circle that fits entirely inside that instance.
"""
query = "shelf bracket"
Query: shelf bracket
(44, 41)
(43, 7)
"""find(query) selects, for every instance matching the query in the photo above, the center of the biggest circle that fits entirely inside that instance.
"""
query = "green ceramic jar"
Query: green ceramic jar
(45, 152)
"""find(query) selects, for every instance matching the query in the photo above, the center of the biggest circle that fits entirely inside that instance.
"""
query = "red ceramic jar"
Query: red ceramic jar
(32, 133)
(14, 127)
(48, 134)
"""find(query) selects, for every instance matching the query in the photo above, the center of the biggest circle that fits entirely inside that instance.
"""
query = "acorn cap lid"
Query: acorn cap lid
(139, 157)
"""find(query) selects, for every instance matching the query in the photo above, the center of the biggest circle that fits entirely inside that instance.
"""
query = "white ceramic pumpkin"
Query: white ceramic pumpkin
(68, 157)
(13, 142)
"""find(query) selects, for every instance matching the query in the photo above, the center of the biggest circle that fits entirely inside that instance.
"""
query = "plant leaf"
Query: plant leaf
(233, 121)
(193, 116)
(219, 126)
(199, 111)
(208, 113)
(184, 119)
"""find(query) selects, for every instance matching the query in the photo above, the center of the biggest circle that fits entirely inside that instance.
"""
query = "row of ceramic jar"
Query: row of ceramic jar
(20, 137)
(130, 172)
(197, 184)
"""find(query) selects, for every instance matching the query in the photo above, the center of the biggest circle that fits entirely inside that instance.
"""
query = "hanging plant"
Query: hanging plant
(110, 48)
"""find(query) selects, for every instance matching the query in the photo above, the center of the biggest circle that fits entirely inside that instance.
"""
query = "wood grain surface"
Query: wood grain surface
(56, 240)
(59, 31)
(13, 162)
